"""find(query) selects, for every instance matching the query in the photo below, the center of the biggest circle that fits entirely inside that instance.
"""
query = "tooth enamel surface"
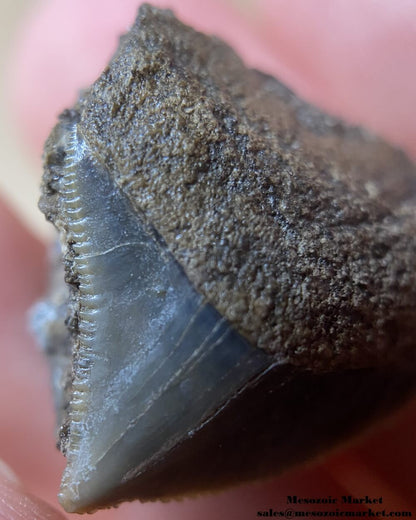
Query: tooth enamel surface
(160, 360)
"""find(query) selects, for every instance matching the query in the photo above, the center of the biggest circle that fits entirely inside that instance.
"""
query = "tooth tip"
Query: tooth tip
(68, 501)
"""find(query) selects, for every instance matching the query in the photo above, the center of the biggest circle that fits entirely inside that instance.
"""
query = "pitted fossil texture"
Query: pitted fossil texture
(292, 224)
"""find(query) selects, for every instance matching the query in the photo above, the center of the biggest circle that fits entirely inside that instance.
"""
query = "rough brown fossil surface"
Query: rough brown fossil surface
(292, 224)
(297, 229)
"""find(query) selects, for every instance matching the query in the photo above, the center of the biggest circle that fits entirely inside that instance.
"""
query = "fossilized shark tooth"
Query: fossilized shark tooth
(241, 273)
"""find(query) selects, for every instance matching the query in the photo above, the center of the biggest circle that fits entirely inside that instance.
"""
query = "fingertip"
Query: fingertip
(355, 63)
(17, 504)
(61, 47)
(7, 474)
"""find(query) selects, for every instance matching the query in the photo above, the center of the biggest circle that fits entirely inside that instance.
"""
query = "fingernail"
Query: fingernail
(7, 473)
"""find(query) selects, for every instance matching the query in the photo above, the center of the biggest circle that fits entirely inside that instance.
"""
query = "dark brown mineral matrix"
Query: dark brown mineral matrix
(299, 229)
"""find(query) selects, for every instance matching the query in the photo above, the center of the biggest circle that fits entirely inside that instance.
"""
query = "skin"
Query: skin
(360, 67)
